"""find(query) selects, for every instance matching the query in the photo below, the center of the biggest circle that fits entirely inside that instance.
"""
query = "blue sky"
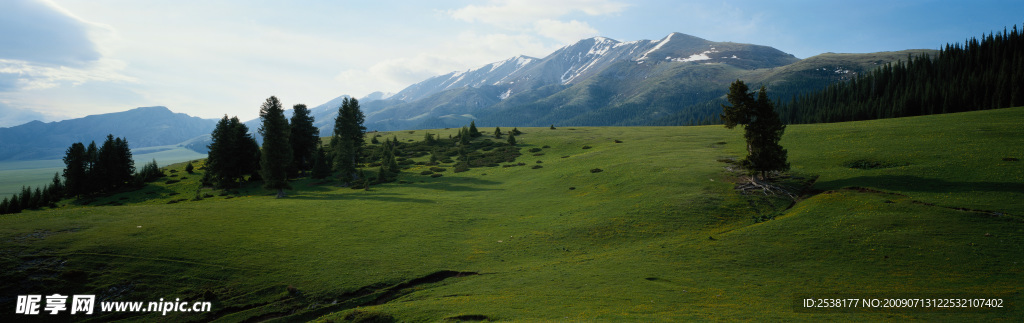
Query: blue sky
(70, 58)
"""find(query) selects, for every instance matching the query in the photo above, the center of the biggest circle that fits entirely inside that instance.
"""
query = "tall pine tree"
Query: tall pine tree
(304, 139)
(276, 154)
(233, 153)
(75, 168)
(348, 140)
(762, 129)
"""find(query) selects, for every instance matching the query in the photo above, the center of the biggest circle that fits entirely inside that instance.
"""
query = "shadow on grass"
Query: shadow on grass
(909, 183)
(370, 195)
(453, 184)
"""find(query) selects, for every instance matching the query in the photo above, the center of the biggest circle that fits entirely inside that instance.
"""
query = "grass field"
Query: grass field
(932, 209)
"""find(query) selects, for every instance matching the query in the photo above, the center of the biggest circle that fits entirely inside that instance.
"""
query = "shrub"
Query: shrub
(539, 154)
(586, 147)
(540, 162)
(189, 168)
(537, 166)
(534, 150)
(426, 172)
(596, 170)
(546, 146)
(437, 169)
(436, 175)
(618, 141)
(171, 181)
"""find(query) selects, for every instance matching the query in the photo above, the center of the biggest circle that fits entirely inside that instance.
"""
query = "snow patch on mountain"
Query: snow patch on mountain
(505, 95)
(656, 47)
(702, 56)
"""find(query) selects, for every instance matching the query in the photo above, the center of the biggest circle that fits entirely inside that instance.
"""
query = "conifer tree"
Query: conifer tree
(344, 159)
(14, 206)
(91, 170)
(321, 164)
(37, 199)
(56, 188)
(5, 206)
(75, 167)
(304, 138)
(473, 132)
(233, 153)
(276, 154)
(464, 136)
(511, 139)
(26, 198)
(762, 129)
(189, 168)
(497, 132)
(348, 140)
(114, 166)
(382, 174)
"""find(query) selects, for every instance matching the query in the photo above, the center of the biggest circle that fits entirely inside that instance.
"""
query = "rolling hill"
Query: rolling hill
(658, 234)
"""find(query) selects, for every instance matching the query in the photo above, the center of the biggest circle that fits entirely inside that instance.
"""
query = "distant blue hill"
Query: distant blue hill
(142, 127)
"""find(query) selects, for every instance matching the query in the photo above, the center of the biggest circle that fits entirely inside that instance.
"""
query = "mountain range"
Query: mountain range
(676, 80)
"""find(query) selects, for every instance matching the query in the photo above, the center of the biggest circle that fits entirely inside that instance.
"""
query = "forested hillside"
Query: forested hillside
(978, 75)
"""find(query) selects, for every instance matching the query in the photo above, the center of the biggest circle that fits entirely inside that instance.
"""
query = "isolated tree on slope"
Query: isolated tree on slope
(762, 129)
(473, 132)
(276, 154)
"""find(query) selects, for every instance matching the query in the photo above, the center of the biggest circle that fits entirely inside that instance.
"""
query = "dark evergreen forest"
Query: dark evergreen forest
(986, 73)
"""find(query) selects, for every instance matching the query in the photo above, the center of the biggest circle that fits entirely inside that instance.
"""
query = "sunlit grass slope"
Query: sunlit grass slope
(933, 207)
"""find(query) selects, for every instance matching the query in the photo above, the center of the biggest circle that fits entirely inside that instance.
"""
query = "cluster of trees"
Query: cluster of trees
(29, 199)
(762, 129)
(91, 170)
(981, 74)
(290, 148)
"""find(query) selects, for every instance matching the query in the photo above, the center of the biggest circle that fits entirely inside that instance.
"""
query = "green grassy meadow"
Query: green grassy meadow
(659, 234)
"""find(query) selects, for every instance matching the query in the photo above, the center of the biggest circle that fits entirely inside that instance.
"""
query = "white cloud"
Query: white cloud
(29, 76)
(565, 32)
(511, 13)
(540, 17)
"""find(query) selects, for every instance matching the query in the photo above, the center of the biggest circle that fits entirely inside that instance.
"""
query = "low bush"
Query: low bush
(426, 172)
(596, 170)
(437, 169)
(537, 166)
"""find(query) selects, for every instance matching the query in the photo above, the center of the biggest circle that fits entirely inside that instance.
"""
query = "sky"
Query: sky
(62, 59)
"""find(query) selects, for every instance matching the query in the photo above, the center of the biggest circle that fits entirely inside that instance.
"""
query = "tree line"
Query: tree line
(89, 170)
(978, 75)
(290, 148)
